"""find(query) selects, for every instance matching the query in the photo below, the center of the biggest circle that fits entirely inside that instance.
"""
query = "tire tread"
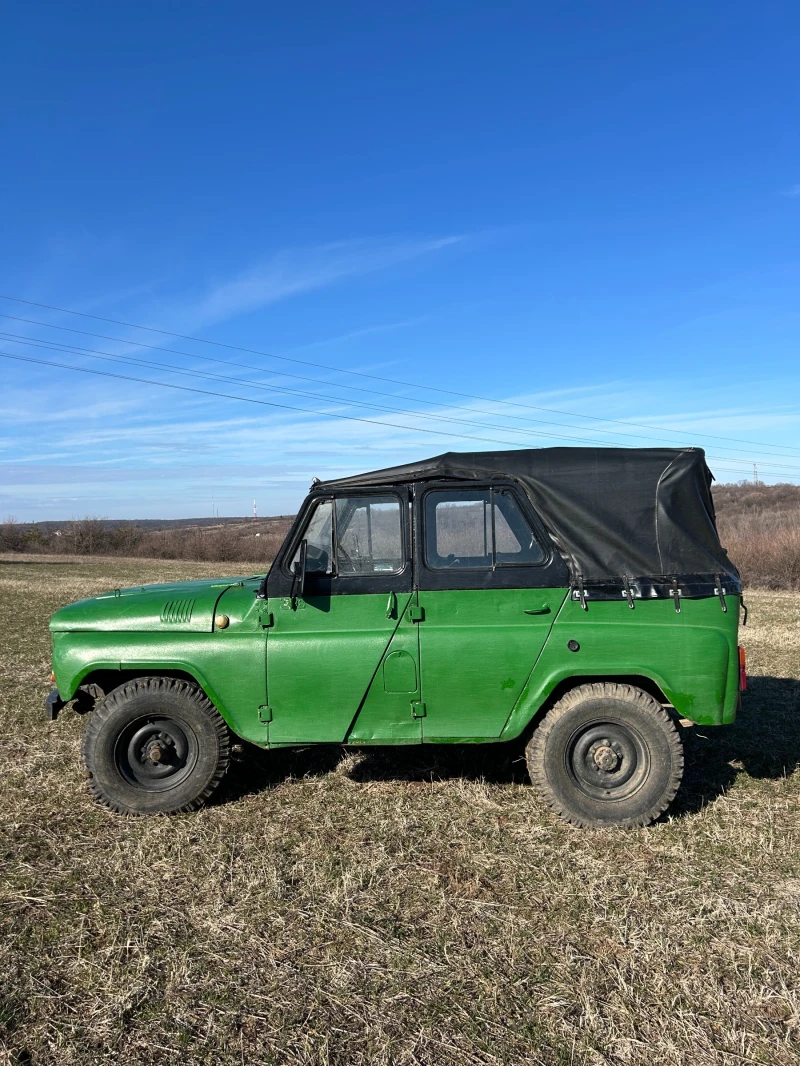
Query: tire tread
(154, 686)
(647, 705)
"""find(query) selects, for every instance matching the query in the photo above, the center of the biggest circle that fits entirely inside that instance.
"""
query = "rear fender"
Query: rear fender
(690, 657)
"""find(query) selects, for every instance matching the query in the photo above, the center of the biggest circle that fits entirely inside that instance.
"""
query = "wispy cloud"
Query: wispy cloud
(138, 450)
(295, 271)
(279, 276)
(354, 334)
(793, 191)
(155, 459)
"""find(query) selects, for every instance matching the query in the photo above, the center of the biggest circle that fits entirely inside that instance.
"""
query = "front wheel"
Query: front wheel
(155, 746)
(606, 755)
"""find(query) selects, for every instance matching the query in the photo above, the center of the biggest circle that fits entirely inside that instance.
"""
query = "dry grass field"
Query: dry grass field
(398, 906)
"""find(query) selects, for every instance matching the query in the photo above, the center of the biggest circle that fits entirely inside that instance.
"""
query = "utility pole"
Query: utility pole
(255, 511)
(755, 473)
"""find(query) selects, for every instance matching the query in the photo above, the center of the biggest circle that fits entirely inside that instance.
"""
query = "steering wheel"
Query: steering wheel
(316, 559)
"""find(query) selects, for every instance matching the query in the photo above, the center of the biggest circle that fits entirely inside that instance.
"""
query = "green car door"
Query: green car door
(490, 586)
(326, 646)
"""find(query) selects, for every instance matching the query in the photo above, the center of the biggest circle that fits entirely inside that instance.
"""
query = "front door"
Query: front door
(490, 586)
(325, 648)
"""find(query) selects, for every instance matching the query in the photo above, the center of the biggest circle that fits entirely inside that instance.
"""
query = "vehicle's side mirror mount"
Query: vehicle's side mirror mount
(299, 572)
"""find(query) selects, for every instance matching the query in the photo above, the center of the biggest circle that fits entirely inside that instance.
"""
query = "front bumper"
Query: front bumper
(53, 704)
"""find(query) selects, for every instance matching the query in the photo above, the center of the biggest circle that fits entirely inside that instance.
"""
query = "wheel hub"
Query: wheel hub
(159, 748)
(605, 757)
(155, 753)
(607, 760)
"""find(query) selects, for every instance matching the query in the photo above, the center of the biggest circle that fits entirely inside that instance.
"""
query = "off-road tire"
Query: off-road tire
(171, 719)
(562, 757)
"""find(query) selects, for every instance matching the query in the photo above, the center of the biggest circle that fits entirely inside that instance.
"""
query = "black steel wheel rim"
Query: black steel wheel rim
(156, 753)
(607, 760)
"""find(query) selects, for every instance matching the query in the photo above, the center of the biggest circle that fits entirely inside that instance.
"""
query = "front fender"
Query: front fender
(229, 666)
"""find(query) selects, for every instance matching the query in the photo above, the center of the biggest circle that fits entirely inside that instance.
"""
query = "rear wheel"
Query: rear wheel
(606, 754)
(155, 746)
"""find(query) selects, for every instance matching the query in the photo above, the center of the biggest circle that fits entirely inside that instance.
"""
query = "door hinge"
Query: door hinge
(418, 709)
(292, 603)
(267, 619)
(416, 613)
(265, 714)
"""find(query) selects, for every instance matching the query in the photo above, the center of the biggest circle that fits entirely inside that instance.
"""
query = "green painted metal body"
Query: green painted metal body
(424, 666)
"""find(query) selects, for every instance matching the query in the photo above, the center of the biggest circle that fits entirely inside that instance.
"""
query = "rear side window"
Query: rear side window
(478, 529)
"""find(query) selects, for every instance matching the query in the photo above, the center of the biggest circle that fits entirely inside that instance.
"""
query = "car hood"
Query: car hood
(179, 606)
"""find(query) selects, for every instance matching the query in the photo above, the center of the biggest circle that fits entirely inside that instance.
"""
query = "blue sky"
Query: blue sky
(555, 214)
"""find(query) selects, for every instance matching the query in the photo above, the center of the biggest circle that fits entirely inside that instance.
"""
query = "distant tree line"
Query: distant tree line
(248, 541)
(759, 526)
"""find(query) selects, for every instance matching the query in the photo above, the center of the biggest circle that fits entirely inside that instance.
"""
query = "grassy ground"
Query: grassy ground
(395, 907)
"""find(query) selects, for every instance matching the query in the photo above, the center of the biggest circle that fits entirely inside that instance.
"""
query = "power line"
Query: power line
(375, 392)
(373, 377)
(71, 349)
(171, 368)
(320, 381)
(268, 403)
(250, 399)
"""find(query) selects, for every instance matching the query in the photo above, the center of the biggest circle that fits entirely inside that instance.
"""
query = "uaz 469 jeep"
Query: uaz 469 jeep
(576, 598)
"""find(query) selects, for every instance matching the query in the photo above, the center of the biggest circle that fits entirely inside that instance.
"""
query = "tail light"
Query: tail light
(742, 669)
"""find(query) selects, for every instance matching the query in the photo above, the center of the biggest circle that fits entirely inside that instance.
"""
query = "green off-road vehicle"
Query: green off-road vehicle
(575, 599)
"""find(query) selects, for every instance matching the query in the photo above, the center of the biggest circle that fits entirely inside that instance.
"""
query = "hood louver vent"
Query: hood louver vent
(176, 612)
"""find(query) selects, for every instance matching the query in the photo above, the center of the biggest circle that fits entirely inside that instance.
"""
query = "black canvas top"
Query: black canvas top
(615, 514)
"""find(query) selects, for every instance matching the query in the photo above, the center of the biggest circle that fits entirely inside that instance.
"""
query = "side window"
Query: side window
(319, 534)
(366, 537)
(369, 537)
(458, 529)
(477, 530)
(514, 540)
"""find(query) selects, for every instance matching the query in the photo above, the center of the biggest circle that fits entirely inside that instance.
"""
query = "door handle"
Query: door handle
(544, 609)
(391, 605)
